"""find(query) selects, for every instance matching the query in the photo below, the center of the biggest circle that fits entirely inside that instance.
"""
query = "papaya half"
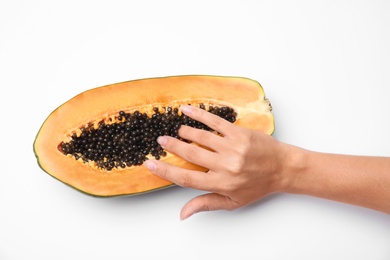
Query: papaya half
(97, 141)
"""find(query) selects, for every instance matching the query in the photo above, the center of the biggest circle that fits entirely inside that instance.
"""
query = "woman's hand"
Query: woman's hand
(244, 165)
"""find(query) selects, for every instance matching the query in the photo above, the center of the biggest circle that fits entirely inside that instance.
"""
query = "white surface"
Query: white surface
(324, 65)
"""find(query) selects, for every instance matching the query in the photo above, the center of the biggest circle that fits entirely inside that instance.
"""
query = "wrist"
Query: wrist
(295, 163)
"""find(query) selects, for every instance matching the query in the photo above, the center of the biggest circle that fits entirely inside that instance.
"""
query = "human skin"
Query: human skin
(246, 165)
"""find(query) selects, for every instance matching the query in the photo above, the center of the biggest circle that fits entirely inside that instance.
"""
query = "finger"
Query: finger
(213, 121)
(182, 177)
(207, 202)
(204, 138)
(189, 152)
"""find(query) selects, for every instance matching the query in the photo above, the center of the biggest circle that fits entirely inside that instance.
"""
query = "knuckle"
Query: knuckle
(163, 171)
(191, 154)
(233, 185)
(199, 112)
(216, 122)
(185, 181)
(243, 147)
(243, 137)
(236, 165)
(203, 136)
(231, 204)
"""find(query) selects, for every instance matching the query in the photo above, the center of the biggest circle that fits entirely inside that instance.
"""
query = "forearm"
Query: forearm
(358, 180)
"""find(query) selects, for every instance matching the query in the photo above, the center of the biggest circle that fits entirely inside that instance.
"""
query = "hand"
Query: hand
(244, 165)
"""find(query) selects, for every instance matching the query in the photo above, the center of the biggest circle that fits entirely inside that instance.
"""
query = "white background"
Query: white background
(325, 66)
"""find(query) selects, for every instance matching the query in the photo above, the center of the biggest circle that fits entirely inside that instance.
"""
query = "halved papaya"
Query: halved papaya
(97, 141)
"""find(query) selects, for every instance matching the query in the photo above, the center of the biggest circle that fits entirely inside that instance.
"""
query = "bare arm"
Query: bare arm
(245, 165)
(358, 180)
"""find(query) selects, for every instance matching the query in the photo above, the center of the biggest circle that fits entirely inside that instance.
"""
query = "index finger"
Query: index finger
(213, 121)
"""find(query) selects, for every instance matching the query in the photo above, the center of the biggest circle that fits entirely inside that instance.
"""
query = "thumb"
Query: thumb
(206, 202)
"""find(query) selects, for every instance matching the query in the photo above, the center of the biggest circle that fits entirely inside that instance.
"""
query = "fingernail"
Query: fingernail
(161, 140)
(184, 216)
(186, 109)
(151, 165)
